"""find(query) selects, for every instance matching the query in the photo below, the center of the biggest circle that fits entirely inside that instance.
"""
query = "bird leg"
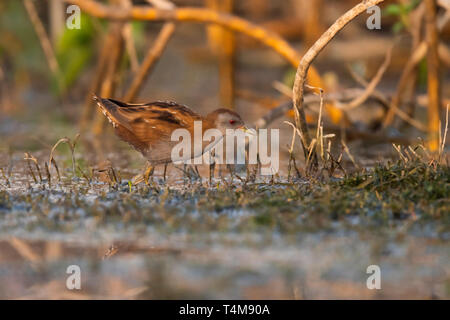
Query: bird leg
(197, 174)
(148, 173)
(212, 166)
(165, 171)
(149, 170)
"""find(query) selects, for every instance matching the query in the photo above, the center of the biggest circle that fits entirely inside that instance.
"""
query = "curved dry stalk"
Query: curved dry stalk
(154, 53)
(363, 82)
(72, 151)
(25, 251)
(349, 154)
(272, 115)
(413, 61)
(444, 138)
(127, 35)
(201, 15)
(405, 117)
(43, 37)
(343, 95)
(95, 86)
(319, 130)
(130, 47)
(112, 67)
(418, 54)
(29, 157)
(222, 43)
(150, 60)
(384, 101)
(372, 85)
(308, 58)
(416, 21)
(353, 133)
(310, 147)
(282, 88)
(295, 131)
(434, 85)
(49, 176)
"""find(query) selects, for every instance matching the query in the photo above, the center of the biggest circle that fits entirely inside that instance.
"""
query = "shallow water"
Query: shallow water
(225, 266)
(185, 239)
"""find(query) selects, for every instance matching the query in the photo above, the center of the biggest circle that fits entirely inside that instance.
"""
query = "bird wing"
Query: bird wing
(147, 126)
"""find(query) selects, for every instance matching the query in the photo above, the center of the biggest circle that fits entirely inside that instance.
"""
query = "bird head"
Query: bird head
(224, 119)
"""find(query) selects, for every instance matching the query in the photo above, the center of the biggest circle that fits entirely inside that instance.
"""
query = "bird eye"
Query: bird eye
(232, 121)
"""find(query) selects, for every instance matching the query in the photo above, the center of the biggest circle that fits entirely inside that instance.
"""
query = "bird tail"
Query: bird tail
(108, 109)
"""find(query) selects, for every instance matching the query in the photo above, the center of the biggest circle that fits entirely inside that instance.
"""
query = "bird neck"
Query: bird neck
(209, 122)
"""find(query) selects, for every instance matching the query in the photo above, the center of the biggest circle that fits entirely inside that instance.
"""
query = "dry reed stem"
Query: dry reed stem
(212, 165)
(378, 95)
(319, 118)
(152, 57)
(97, 80)
(419, 52)
(154, 53)
(109, 81)
(282, 88)
(72, 152)
(400, 153)
(312, 19)
(222, 42)
(417, 56)
(24, 250)
(295, 131)
(370, 88)
(294, 134)
(411, 121)
(57, 169)
(200, 15)
(347, 151)
(344, 95)
(84, 175)
(43, 37)
(434, 94)
(49, 176)
(130, 46)
(416, 21)
(28, 157)
(385, 102)
(308, 58)
(444, 138)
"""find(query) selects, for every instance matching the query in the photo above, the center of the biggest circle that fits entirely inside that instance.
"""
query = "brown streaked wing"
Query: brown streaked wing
(150, 124)
(153, 113)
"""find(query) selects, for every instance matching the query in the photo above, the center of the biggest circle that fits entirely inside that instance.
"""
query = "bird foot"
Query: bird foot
(143, 177)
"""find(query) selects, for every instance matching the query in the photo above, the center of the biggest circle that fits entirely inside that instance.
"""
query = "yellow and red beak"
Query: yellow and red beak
(246, 130)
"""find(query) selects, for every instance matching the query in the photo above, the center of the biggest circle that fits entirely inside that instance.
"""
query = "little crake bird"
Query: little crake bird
(148, 126)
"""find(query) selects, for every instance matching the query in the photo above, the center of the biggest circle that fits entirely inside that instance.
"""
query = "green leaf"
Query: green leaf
(412, 5)
(398, 26)
(74, 49)
(393, 10)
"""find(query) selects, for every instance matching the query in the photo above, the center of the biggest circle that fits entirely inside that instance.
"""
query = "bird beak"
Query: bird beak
(247, 130)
